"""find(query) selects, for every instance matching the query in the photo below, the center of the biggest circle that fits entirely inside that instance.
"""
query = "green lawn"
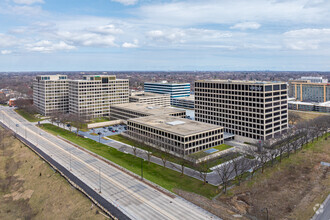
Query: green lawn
(155, 152)
(222, 147)
(27, 116)
(164, 177)
(97, 120)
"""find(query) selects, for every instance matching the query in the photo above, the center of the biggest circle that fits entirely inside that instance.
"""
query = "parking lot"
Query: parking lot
(103, 132)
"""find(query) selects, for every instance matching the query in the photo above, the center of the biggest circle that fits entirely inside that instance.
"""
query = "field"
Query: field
(289, 190)
(164, 177)
(29, 188)
(305, 116)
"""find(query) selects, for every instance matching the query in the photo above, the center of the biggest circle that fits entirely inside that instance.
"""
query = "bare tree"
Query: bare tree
(224, 172)
(149, 154)
(262, 158)
(202, 168)
(294, 118)
(134, 148)
(182, 162)
(240, 166)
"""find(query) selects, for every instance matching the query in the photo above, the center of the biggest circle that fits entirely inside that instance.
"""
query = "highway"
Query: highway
(134, 198)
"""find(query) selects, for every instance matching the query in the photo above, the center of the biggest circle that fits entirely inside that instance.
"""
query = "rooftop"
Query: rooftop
(148, 109)
(167, 83)
(241, 82)
(182, 127)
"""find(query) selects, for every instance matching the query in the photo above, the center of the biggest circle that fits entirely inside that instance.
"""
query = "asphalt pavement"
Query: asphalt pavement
(134, 198)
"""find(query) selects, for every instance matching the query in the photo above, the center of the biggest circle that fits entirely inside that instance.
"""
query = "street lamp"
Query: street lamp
(142, 168)
(100, 179)
(99, 136)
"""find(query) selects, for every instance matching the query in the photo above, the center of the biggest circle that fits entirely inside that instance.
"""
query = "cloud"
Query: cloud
(8, 40)
(106, 29)
(28, 2)
(46, 46)
(172, 36)
(198, 12)
(131, 45)
(307, 39)
(87, 39)
(126, 2)
(5, 52)
(246, 25)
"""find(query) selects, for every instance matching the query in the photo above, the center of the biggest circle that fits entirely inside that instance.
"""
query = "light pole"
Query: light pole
(100, 179)
(99, 136)
(142, 168)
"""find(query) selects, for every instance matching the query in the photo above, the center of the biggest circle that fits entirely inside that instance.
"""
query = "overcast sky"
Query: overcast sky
(55, 35)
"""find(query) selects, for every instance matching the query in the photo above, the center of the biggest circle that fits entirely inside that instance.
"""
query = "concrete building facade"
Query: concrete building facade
(184, 102)
(51, 94)
(135, 110)
(177, 136)
(94, 95)
(151, 98)
(253, 111)
(307, 91)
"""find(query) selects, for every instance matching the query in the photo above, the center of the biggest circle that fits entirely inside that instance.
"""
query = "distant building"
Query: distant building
(93, 95)
(51, 93)
(176, 90)
(309, 106)
(177, 136)
(184, 102)
(310, 89)
(151, 98)
(136, 110)
(252, 111)
(314, 79)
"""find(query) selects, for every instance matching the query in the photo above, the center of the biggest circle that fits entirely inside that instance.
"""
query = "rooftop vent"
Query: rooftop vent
(175, 123)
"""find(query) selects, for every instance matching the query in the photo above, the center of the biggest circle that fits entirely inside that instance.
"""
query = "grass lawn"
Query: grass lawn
(223, 159)
(27, 116)
(97, 120)
(222, 147)
(155, 152)
(164, 177)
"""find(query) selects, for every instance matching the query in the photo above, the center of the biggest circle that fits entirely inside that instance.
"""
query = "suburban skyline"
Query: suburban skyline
(124, 35)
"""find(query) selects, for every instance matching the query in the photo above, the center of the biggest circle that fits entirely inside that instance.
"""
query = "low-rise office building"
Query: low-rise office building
(184, 102)
(51, 94)
(151, 98)
(135, 110)
(176, 136)
(252, 111)
(309, 106)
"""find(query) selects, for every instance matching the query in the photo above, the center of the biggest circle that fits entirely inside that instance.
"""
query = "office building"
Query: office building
(309, 106)
(51, 94)
(135, 110)
(310, 90)
(314, 79)
(93, 95)
(151, 98)
(177, 136)
(174, 89)
(184, 102)
(252, 111)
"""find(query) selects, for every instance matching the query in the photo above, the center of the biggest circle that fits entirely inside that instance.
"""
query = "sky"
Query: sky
(168, 35)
